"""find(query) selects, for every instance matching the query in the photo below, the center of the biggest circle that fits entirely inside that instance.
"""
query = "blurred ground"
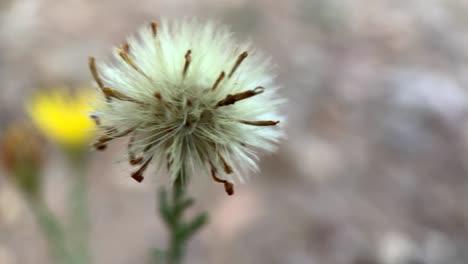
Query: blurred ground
(374, 168)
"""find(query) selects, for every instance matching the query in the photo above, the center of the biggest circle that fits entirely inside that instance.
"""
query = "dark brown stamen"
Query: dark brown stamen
(227, 167)
(228, 187)
(100, 146)
(131, 155)
(96, 119)
(241, 57)
(220, 78)
(105, 138)
(126, 47)
(118, 95)
(134, 160)
(188, 59)
(108, 136)
(138, 175)
(101, 143)
(126, 57)
(158, 95)
(95, 73)
(232, 98)
(259, 123)
(154, 28)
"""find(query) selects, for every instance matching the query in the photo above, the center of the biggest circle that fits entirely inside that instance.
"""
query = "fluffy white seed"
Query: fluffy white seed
(190, 99)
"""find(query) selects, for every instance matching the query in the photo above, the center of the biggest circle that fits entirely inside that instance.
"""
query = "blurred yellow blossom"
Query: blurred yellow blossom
(63, 116)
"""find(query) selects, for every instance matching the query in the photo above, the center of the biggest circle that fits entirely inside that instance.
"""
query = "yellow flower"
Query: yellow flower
(63, 117)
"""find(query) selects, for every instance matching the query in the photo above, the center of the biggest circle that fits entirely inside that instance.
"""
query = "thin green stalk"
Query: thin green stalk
(53, 232)
(176, 248)
(180, 231)
(28, 179)
(79, 228)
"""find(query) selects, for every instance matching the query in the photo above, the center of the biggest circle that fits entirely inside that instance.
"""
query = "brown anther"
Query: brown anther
(118, 95)
(131, 156)
(126, 57)
(101, 143)
(239, 60)
(227, 167)
(109, 135)
(105, 138)
(114, 93)
(96, 119)
(158, 95)
(228, 187)
(100, 146)
(220, 78)
(138, 175)
(259, 123)
(188, 59)
(135, 161)
(232, 98)
(95, 73)
(154, 28)
(126, 47)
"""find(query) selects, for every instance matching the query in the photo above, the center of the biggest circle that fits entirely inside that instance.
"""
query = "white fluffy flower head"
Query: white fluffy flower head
(190, 99)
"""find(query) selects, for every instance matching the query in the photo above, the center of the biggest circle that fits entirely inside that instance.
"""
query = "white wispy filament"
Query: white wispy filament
(190, 99)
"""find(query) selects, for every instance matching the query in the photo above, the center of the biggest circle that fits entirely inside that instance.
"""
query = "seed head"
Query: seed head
(190, 99)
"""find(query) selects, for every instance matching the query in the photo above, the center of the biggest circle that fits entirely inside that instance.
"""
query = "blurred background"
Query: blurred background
(374, 170)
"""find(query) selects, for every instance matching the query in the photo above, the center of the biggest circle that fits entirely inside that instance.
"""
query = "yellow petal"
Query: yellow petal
(63, 117)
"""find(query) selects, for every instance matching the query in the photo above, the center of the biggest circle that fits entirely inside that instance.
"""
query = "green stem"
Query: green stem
(172, 213)
(52, 230)
(176, 248)
(79, 211)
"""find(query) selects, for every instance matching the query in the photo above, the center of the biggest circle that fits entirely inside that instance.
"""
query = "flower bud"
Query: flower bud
(22, 157)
